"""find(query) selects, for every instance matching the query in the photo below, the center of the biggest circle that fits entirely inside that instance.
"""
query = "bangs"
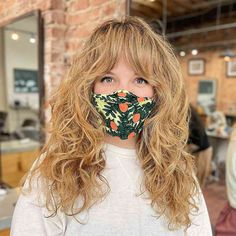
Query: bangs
(123, 40)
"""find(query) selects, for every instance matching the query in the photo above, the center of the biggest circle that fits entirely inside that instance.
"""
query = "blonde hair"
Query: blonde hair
(74, 158)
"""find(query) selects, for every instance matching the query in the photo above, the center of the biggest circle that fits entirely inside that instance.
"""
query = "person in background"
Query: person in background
(226, 222)
(199, 146)
(115, 162)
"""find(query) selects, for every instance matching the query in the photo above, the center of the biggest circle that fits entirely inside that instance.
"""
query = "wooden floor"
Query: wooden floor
(216, 197)
(5, 232)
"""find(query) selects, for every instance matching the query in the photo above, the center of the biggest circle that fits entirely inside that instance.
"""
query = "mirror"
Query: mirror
(21, 96)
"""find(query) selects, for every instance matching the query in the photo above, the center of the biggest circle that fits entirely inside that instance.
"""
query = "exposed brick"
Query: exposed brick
(57, 4)
(54, 32)
(56, 45)
(78, 5)
(108, 9)
(54, 57)
(98, 2)
(79, 32)
(54, 17)
(71, 46)
(41, 4)
(215, 69)
(84, 17)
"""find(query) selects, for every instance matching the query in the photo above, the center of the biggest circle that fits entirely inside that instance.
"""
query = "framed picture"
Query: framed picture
(231, 68)
(196, 66)
(25, 81)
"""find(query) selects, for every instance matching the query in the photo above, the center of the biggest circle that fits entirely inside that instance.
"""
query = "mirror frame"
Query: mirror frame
(40, 52)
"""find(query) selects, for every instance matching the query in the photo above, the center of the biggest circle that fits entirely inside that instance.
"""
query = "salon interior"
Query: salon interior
(37, 43)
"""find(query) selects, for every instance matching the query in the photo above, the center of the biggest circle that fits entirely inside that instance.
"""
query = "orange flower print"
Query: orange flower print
(136, 117)
(123, 107)
(141, 99)
(113, 125)
(121, 94)
(131, 135)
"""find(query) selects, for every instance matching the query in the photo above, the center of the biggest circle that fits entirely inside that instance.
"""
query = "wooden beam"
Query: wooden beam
(211, 3)
(144, 10)
(138, 13)
(174, 8)
(184, 4)
(153, 5)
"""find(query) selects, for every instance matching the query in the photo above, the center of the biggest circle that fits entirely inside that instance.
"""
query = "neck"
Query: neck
(128, 143)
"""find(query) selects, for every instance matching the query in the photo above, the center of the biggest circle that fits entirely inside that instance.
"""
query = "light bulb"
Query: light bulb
(194, 52)
(227, 58)
(32, 40)
(182, 53)
(15, 36)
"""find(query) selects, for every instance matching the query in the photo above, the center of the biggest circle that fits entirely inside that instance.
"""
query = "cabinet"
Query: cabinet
(16, 159)
(5, 232)
(16, 165)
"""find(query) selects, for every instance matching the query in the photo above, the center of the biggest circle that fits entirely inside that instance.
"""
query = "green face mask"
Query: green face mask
(123, 112)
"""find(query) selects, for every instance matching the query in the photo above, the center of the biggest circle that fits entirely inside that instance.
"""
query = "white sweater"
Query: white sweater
(122, 213)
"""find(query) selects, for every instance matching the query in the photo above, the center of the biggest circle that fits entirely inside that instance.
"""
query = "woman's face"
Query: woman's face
(122, 76)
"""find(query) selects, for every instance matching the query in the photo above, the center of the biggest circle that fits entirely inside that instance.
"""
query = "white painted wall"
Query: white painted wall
(3, 106)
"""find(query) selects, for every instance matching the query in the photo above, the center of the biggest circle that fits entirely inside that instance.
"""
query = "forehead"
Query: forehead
(122, 65)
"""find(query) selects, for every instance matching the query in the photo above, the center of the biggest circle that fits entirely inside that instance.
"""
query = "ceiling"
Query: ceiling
(202, 23)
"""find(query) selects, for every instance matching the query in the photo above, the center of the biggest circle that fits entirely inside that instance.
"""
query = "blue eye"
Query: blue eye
(107, 79)
(141, 81)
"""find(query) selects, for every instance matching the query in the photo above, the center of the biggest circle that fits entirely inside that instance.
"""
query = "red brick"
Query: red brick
(98, 2)
(78, 5)
(40, 4)
(109, 9)
(54, 17)
(56, 4)
(84, 17)
(71, 46)
(79, 32)
(54, 45)
(54, 32)
(54, 57)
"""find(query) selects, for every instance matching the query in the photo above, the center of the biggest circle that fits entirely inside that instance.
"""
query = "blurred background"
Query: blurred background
(38, 40)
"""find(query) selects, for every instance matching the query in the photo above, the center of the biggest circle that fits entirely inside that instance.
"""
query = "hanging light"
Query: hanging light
(15, 36)
(32, 39)
(226, 58)
(182, 53)
(227, 54)
(194, 52)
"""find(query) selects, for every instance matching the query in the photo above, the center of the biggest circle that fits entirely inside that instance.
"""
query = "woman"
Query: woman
(115, 163)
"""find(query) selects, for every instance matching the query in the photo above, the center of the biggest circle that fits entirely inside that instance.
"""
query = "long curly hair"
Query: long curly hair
(73, 154)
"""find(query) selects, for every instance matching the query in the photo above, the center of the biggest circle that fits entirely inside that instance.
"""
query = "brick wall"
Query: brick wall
(215, 68)
(67, 23)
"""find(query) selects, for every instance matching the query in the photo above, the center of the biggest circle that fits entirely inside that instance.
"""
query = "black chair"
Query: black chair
(29, 122)
(3, 135)
(29, 130)
(3, 117)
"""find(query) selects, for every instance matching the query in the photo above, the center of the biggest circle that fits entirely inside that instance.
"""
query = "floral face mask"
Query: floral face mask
(123, 112)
